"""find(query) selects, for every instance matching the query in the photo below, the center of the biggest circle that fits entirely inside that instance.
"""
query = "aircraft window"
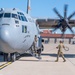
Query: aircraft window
(24, 29)
(14, 16)
(7, 15)
(23, 18)
(20, 13)
(16, 21)
(19, 17)
(1, 15)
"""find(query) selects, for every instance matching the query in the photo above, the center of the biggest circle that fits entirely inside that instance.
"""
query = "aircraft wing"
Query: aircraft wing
(51, 23)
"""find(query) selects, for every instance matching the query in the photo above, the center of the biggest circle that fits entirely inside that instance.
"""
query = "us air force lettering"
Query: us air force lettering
(17, 32)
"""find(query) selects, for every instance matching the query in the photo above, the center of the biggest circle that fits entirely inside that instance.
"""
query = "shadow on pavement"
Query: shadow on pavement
(37, 60)
(55, 55)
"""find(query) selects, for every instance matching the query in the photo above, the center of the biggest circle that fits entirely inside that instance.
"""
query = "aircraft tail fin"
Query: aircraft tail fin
(28, 6)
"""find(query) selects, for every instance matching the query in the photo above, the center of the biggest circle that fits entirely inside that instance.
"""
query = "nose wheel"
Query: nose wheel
(14, 57)
(10, 57)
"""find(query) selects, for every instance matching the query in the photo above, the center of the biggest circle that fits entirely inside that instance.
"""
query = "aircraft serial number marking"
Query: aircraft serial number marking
(26, 37)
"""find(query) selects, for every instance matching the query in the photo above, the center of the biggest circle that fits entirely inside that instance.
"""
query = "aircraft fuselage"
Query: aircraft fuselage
(17, 31)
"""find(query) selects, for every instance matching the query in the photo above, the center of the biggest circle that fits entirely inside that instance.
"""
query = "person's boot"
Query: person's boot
(64, 61)
(56, 60)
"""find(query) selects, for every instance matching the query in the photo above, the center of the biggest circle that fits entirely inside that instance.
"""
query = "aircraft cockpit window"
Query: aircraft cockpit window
(1, 15)
(7, 15)
(20, 13)
(19, 17)
(23, 18)
(14, 16)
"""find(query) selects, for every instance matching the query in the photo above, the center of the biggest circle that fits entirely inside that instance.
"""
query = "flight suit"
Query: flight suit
(35, 43)
(60, 47)
(37, 48)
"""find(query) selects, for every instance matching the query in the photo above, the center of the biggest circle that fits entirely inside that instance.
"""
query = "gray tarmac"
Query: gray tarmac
(28, 65)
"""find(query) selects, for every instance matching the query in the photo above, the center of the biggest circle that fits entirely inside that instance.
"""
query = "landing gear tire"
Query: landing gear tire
(14, 57)
(5, 56)
(10, 57)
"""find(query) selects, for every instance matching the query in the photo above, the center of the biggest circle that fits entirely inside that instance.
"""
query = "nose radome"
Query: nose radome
(4, 34)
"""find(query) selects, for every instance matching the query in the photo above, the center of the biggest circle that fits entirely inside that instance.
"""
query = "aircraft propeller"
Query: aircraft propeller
(63, 22)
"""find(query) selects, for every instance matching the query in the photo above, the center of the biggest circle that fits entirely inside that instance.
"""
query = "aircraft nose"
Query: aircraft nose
(4, 34)
(5, 40)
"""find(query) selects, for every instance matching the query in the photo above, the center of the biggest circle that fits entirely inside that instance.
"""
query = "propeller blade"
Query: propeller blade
(55, 10)
(70, 28)
(71, 15)
(65, 11)
(62, 35)
(57, 27)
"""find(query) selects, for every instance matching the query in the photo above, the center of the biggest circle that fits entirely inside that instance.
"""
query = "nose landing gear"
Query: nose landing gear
(10, 56)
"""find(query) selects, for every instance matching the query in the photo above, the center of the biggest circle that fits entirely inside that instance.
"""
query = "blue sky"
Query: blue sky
(41, 8)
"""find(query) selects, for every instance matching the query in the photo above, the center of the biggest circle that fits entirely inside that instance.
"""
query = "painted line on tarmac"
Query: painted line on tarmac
(5, 65)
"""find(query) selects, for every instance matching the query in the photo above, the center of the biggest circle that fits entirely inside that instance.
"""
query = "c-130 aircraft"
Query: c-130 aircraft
(17, 32)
